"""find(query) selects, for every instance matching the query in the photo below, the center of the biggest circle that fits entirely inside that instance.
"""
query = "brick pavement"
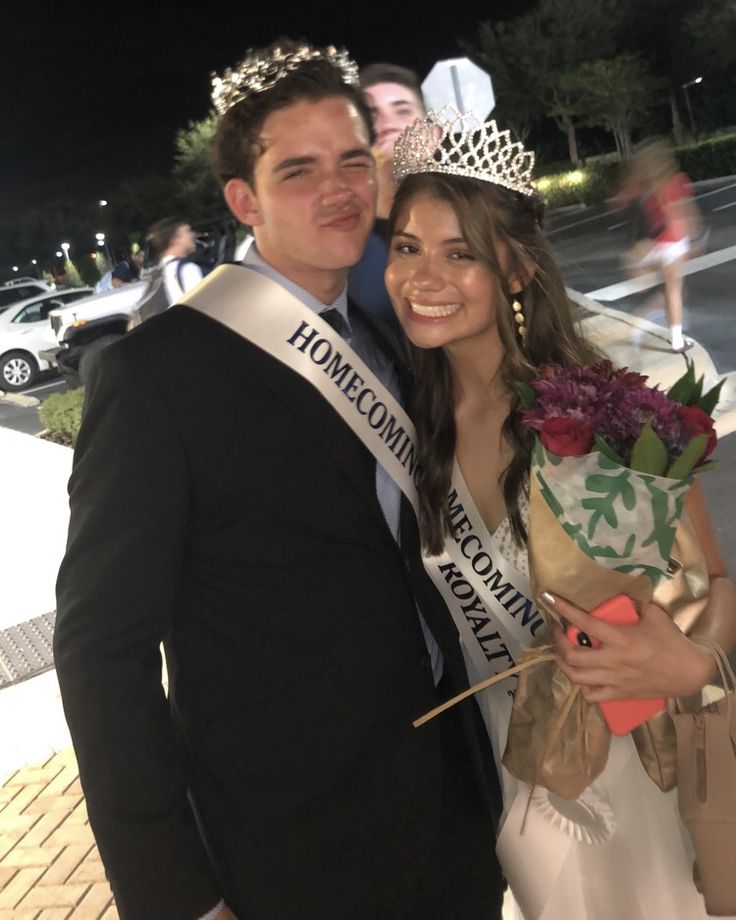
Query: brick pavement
(49, 865)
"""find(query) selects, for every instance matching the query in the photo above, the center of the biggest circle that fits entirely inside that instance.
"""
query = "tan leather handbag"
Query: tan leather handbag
(706, 788)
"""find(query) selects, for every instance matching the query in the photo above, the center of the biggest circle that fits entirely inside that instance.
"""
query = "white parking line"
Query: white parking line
(577, 223)
(715, 191)
(624, 223)
(722, 207)
(652, 279)
(44, 386)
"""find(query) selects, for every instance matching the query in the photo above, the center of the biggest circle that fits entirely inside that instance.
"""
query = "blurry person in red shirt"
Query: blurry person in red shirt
(663, 198)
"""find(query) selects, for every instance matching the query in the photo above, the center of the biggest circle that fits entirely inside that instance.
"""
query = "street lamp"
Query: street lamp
(59, 253)
(685, 87)
(66, 247)
(15, 268)
(103, 202)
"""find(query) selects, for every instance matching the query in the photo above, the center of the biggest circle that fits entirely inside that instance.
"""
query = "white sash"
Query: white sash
(490, 602)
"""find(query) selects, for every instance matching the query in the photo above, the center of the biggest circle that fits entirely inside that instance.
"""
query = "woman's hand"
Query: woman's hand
(646, 660)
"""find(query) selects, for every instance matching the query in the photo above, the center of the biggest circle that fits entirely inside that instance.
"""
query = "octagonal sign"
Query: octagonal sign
(459, 82)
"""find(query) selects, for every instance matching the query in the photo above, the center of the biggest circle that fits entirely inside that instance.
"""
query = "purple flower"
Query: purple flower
(616, 403)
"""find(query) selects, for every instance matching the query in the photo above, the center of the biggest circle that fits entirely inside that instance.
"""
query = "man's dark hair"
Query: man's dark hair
(390, 73)
(236, 145)
(160, 234)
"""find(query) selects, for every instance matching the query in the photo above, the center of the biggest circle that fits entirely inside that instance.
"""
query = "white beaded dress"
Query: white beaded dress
(619, 852)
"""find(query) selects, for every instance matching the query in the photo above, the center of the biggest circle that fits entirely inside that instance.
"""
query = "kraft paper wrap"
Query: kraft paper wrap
(555, 738)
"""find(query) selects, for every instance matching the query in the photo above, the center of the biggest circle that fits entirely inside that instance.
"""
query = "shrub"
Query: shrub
(709, 159)
(591, 184)
(585, 185)
(61, 414)
(71, 277)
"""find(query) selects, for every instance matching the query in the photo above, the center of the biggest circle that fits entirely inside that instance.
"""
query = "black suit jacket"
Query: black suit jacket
(220, 506)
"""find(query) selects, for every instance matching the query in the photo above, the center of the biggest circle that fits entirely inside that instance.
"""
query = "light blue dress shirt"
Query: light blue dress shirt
(360, 339)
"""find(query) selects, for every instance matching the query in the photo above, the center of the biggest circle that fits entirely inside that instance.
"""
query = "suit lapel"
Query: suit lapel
(312, 412)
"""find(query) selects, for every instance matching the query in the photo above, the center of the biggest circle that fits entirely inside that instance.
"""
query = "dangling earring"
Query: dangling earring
(519, 318)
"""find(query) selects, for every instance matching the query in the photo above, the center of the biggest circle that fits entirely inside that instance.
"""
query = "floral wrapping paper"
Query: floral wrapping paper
(597, 529)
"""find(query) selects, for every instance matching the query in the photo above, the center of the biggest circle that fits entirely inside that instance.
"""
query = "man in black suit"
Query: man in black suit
(221, 506)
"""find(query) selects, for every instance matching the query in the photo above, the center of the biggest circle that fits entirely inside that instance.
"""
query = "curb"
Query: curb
(18, 399)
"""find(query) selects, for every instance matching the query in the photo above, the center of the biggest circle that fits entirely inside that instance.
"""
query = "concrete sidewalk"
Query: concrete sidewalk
(49, 867)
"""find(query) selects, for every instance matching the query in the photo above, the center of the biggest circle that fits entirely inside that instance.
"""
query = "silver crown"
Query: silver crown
(457, 144)
(256, 73)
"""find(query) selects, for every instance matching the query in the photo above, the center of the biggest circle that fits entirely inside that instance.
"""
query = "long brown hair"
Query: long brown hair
(491, 219)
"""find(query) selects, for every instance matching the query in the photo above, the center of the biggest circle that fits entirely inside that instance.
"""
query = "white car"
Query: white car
(12, 292)
(25, 331)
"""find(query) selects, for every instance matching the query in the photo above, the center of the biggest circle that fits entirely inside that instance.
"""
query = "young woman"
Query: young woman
(665, 196)
(467, 257)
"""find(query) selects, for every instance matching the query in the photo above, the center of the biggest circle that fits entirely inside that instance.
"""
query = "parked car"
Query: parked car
(12, 292)
(82, 331)
(78, 333)
(25, 331)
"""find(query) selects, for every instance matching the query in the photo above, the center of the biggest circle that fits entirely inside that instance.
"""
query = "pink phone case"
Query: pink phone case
(621, 715)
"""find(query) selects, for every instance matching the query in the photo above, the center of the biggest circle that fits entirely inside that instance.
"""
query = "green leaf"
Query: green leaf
(526, 394)
(663, 532)
(682, 388)
(613, 488)
(547, 494)
(688, 458)
(709, 401)
(605, 448)
(697, 393)
(649, 455)
(654, 574)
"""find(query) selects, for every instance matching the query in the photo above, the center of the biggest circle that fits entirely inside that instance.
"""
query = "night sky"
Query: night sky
(92, 94)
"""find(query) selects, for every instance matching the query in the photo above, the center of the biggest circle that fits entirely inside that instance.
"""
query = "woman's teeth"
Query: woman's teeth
(445, 309)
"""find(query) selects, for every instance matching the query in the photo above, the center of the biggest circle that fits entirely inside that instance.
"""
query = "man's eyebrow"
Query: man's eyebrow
(295, 162)
(356, 152)
(291, 162)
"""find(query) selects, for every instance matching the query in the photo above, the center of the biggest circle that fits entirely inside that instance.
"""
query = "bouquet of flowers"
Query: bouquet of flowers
(612, 462)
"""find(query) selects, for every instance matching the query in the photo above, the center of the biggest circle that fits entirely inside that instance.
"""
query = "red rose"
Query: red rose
(699, 422)
(566, 437)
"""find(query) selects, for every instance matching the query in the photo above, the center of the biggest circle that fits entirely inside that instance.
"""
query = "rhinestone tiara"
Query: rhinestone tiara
(259, 72)
(447, 141)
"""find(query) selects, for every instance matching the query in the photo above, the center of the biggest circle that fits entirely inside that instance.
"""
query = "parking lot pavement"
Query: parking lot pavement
(34, 515)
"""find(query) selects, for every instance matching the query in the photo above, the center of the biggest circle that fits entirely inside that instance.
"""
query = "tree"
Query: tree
(71, 277)
(197, 188)
(500, 48)
(681, 40)
(529, 57)
(134, 205)
(613, 94)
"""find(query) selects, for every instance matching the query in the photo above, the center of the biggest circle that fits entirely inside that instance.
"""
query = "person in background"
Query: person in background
(663, 196)
(394, 99)
(173, 241)
(138, 259)
(126, 271)
(122, 274)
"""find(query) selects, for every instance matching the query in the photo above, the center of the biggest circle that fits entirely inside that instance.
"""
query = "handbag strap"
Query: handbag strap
(728, 678)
